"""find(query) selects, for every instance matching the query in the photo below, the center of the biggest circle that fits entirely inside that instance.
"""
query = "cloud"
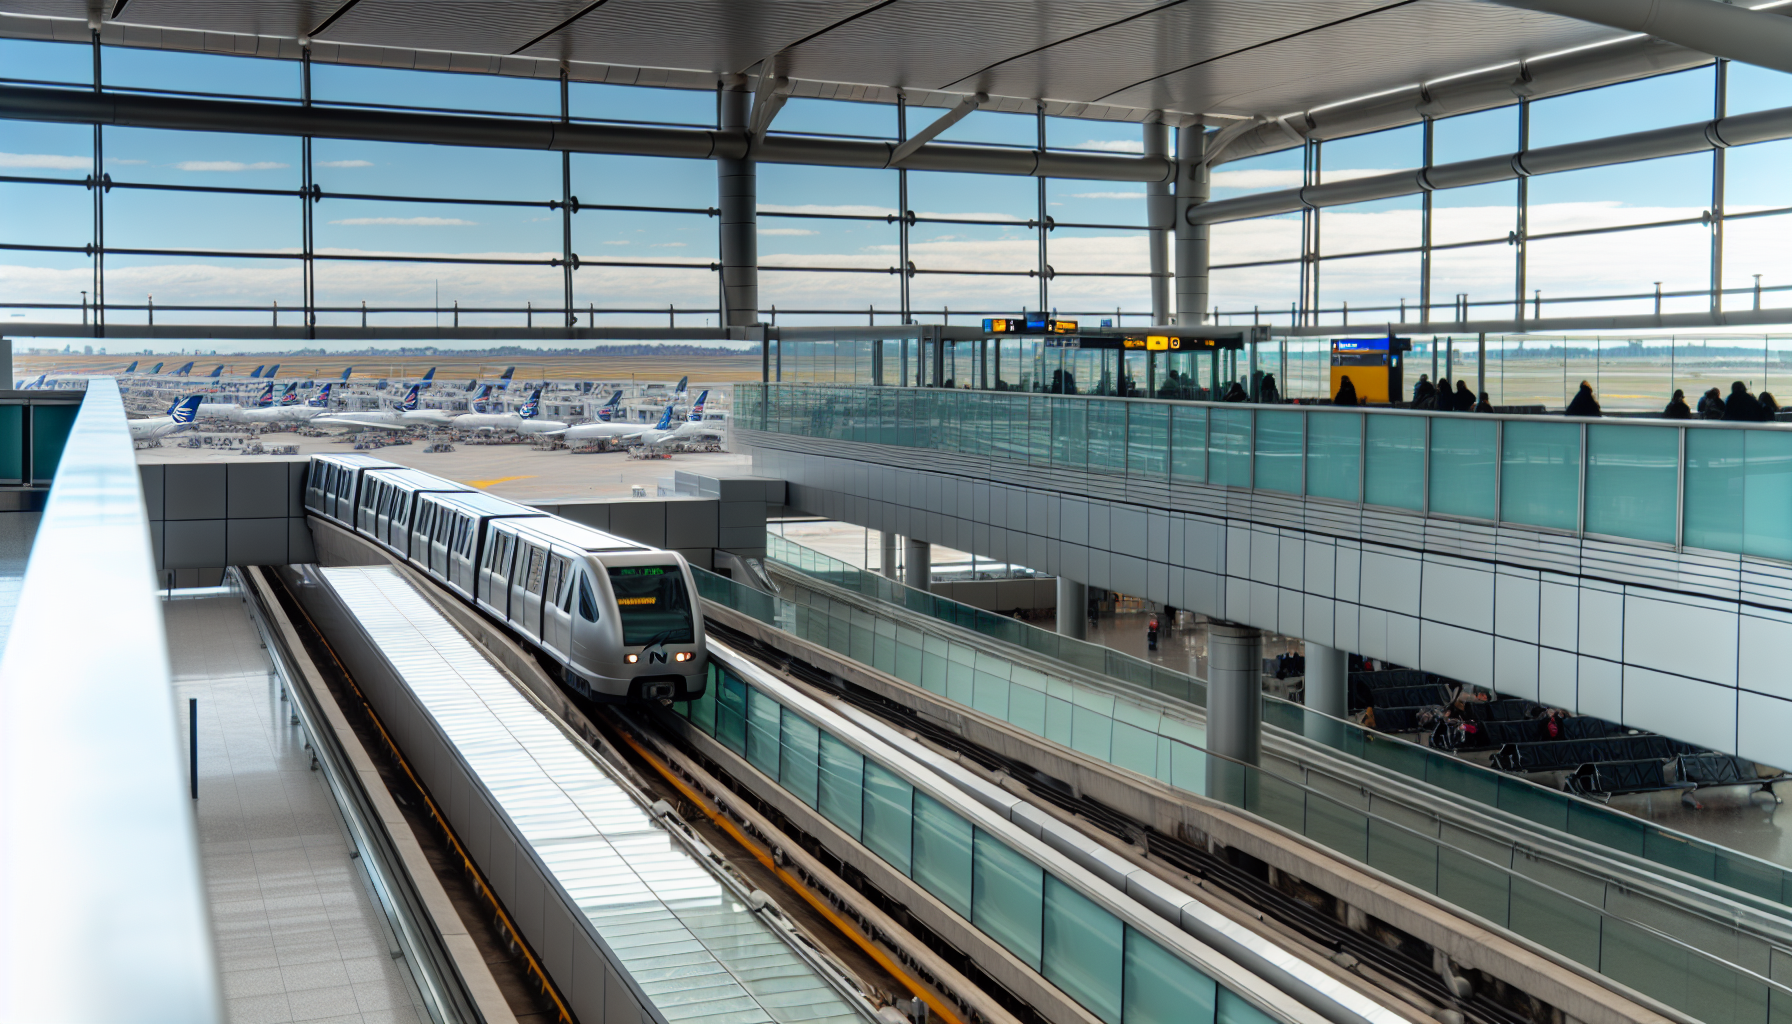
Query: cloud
(1107, 195)
(1266, 178)
(1114, 145)
(787, 231)
(229, 165)
(124, 162)
(669, 245)
(408, 222)
(45, 161)
(346, 163)
(617, 241)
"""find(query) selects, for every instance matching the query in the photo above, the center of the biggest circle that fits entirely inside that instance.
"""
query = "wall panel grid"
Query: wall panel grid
(1526, 618)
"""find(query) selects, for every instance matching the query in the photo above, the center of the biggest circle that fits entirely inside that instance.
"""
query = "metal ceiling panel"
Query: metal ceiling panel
(723, 36)
(1171, 37)
(466, 26)
(1396, 46)
(905, 45)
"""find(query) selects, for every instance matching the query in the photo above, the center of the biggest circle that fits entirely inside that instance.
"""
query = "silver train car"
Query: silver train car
(619, 618)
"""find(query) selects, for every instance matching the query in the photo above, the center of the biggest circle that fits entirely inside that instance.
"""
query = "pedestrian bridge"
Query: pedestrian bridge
(1639, 570)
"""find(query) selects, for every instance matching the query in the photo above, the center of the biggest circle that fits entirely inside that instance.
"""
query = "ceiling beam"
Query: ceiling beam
(1761, 38)
(940, 124)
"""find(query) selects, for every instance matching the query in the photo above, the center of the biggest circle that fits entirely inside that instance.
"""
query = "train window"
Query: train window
(537, 563)
(552, 593)
(653, 605)
(587, 602)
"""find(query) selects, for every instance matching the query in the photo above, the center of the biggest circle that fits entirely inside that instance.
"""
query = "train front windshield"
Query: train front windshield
(655, 608)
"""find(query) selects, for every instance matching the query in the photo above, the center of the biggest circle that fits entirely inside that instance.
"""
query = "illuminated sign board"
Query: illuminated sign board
(1372, 345)
(1028, 325)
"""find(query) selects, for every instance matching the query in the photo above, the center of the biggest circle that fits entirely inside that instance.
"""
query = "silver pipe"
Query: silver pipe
(1192, 235)
(737, 195)
(1698, 137)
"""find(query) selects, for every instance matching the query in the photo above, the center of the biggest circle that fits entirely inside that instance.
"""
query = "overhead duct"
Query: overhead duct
(1720, 29)
(1698, 137)
(1546, 76)
(27, 103)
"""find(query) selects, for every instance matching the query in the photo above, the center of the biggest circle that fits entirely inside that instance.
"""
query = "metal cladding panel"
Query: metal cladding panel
(587, 850)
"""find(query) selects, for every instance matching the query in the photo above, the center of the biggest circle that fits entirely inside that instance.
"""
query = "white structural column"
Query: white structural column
(1327, 680)
(1234, 695)
(918, 563)
(887, 553)
(1192, 190)
(1160, 215)
(1073, 608)
(737, 197)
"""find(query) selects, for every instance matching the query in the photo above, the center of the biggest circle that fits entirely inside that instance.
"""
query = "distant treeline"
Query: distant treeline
(516, 351)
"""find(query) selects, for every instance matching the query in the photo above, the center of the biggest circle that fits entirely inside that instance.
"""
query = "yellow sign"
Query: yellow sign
(1132, 343)
(1157, 343)
(1061, 326)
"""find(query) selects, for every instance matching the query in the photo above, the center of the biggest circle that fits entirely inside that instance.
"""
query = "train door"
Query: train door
(527, 579)
(461, 561)
(434, 558)
(556, 611)
(491, 584)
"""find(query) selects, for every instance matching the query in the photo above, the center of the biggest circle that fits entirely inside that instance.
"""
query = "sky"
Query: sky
(681, 245)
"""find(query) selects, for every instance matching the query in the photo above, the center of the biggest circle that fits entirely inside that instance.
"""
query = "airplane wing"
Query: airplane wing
(351, 423)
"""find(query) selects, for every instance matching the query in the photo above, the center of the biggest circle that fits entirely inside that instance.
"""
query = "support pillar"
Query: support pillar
(1073, 608)
(737, 197)
(1160, 215)
(887, 553)
(1234, 706)
(918, 563)
(1192, 190)
(1328, 679)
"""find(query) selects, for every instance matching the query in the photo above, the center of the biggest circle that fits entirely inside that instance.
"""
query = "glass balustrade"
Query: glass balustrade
(1599, 926)
(1141, 736)
(1718, 486)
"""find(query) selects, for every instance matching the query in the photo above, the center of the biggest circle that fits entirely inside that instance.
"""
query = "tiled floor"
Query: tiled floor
(297, 932)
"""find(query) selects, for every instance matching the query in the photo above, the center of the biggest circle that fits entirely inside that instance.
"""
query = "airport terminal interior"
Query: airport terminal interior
(895, 512)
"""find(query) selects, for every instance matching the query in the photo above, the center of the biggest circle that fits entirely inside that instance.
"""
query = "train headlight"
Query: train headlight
(631, 658)
(682, 656)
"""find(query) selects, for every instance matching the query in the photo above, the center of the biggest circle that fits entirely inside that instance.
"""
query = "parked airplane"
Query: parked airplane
(404, 416)
(32, 386)
(523, 421)
(694, 428)
(180, 417)
(603, 429)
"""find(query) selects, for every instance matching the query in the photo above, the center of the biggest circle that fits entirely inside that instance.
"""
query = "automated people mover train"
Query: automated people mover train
(619, 617)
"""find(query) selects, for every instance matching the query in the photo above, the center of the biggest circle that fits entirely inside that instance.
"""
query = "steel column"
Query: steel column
(1192, 240)
(917, 563)
(887, 553)
(1045, 269)
(737, 195)
(1073, 608)
(568, 205)
(1234, 703)
(1160, 214)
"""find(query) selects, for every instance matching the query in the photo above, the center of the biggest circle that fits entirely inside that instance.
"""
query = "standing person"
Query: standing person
(1465, 399)
(1741, 405)
(1584, 403)
(1151, 633)
(1484, 405)
(1711, 405)
(1346, 392)
(1445, 398)
(1677, 408)
(1769, 407)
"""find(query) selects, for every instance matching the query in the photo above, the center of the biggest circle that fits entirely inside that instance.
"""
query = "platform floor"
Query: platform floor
(298, 935)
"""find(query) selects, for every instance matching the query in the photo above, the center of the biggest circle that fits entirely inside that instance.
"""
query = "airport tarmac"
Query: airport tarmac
(514, 471)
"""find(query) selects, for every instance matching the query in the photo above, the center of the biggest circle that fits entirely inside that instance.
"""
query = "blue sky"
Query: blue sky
(685, 243)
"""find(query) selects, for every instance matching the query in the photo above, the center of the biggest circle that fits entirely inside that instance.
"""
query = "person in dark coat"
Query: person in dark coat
(1346, 392)
(1235, 393)
(1423, 389)
(1584, 403)
(1769, 407)
(1484, 405)
(1465, 399)
(1741, 405)
(1266, 390)
(1445, 399)
(1677, 408)
(1711, 405)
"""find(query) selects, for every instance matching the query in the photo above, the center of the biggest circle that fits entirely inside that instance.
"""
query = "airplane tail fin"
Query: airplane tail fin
(532, 407)
(504, 381)
(131, 368)
(186, 409)
(346, 370)
(217, 371)
(273, 371)
(665, 422)
(410, 399)
(256, 373)
(609, 408)
(697, 409)
(183, 371)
